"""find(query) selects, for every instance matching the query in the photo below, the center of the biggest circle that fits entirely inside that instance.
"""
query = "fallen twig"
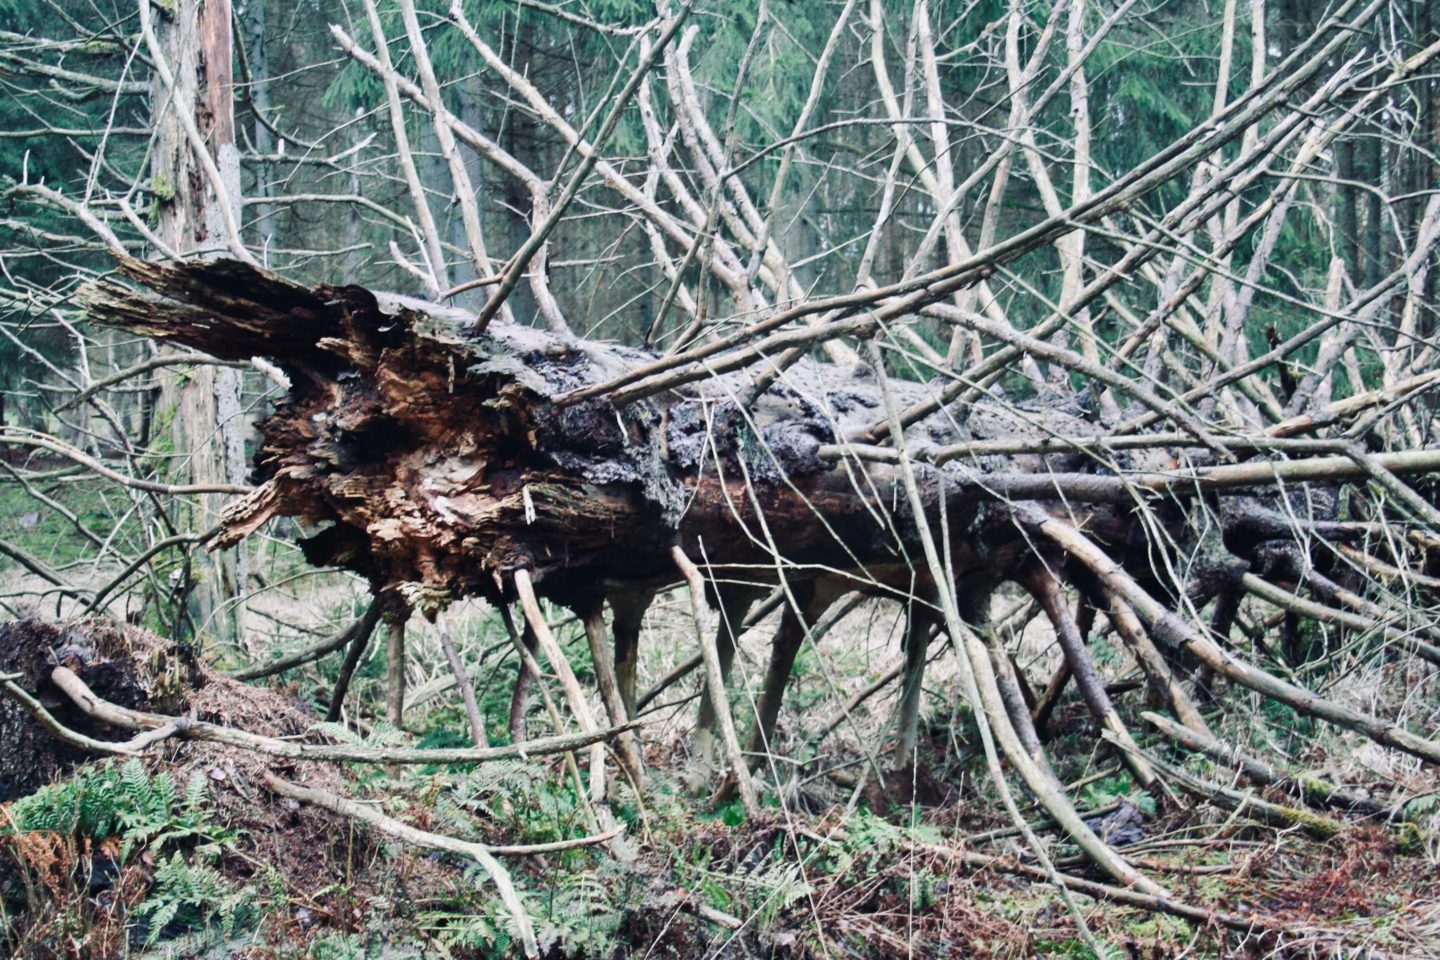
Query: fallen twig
(421, 838)
(128, 719)
(126, 748)
(361, 627)
(1314, 789)
(1248, 804)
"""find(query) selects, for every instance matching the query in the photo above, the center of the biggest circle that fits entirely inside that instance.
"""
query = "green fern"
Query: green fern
(89, 804)
(581, 917)
(484, 931)
(523, 801)
(382, 734)
(339, 733)
(147, 812)
(193, 895)
(156, 819)
(452, 819)
(337, 946)
(105, 801)
(781, 887)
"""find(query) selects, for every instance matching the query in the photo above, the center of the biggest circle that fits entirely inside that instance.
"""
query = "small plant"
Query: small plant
(581, 916)
(779, 889)
(100, 802)
(523, 801)
(88, 804)
(155, 819)
(1120, 787)
(122, 818)
(187, 895)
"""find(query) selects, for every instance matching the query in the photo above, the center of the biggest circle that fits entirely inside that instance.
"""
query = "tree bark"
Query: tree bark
(203, 402)
(437, 462)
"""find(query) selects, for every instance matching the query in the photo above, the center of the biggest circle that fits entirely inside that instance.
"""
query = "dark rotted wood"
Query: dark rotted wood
(124, 665)
(432, 459)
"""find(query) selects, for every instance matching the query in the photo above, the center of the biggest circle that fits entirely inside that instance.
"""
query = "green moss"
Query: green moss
(162, 189)
(1410, 838)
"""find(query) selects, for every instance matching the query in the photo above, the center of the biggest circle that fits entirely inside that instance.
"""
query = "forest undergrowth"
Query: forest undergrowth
(187, 854)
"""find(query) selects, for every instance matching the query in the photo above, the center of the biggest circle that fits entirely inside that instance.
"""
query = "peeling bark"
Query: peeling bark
(434, 461)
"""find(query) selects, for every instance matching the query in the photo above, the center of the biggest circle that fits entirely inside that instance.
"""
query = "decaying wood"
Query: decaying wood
(436, 462)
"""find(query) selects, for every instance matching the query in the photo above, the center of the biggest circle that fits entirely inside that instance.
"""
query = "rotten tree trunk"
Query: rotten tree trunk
(435, 462)
(441, 462)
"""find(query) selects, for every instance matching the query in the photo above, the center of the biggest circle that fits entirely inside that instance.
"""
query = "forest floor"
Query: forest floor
(188, 855)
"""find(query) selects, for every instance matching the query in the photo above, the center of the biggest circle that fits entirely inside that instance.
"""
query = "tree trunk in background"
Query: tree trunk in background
(521, 138)
(203, 403)
(452, 225)
(1347, 216)
(472, 112)
(355, 256)
(1372, 152)
(252, 13)
(1428, 166)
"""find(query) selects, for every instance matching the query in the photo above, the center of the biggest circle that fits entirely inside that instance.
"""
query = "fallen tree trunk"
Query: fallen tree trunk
(436, 462)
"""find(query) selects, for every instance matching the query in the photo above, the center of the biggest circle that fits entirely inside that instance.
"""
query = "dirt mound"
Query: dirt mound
(318, 860)
(134, 668)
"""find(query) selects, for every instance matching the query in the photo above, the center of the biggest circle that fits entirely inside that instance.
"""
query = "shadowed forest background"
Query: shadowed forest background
(778, 478)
